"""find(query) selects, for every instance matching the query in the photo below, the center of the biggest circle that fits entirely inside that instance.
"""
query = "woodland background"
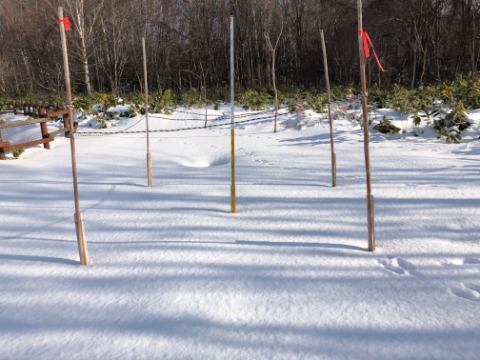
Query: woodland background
(418, 41)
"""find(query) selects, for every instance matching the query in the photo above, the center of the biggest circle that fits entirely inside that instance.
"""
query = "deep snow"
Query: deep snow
(175, 275)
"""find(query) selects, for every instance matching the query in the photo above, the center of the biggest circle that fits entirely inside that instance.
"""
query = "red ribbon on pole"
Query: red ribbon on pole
(66, 23)
(367, 42)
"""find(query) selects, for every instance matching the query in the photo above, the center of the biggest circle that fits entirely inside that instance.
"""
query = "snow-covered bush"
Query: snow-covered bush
(99, 122)
(385, 126)
(16, 153)
(452, 124)
(423, 119)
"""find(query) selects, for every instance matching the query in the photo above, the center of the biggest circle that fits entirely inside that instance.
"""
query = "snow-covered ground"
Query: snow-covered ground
(175, 275)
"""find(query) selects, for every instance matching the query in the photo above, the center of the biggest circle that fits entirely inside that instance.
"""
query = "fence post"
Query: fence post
(42, 113)
(2, 152)
(66, 124)
(45, 134)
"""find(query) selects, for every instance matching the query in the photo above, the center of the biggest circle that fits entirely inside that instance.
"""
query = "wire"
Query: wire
(219, 117)
(103, 133)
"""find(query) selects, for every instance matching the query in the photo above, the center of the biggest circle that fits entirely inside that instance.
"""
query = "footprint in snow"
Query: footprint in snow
(459, 262)
(467, 291)
(260, 161)
(399, 266)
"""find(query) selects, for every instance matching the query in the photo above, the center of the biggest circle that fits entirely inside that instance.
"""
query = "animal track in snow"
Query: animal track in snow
(254, 157)
(467, 291)
(399, 266)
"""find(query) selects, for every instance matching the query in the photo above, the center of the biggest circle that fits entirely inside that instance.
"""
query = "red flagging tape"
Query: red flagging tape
(367, 42)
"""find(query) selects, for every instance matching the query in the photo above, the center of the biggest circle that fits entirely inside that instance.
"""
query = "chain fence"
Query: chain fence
(220, 118)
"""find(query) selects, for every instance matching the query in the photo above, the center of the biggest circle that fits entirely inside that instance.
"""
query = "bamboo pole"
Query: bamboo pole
(363, 79)
(82, 244)
(329, 105)
(149, 155)
(232, 130)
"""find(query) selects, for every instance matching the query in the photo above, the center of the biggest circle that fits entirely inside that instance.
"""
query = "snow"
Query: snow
(174, 274)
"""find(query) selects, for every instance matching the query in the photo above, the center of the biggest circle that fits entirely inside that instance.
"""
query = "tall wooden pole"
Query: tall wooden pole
(232, 130)
(149, 155)
(363, 79)
(329, 105)
(82, 244)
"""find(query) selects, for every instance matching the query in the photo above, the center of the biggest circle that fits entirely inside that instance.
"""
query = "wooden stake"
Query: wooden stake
(329, 105)
(82, 244)
(2, 152)
(366, 141)
(45, 135)
(232, 132)
(80, 229)
(149, 155)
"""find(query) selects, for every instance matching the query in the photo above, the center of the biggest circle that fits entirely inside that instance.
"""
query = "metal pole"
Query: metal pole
(232, 130)
(329, 105)
(363, 78)
(82, 244)
(149, 155)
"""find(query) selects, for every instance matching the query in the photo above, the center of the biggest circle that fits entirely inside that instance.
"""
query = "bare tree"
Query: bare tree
(188, 44)
(85, 16)
(113, 43)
